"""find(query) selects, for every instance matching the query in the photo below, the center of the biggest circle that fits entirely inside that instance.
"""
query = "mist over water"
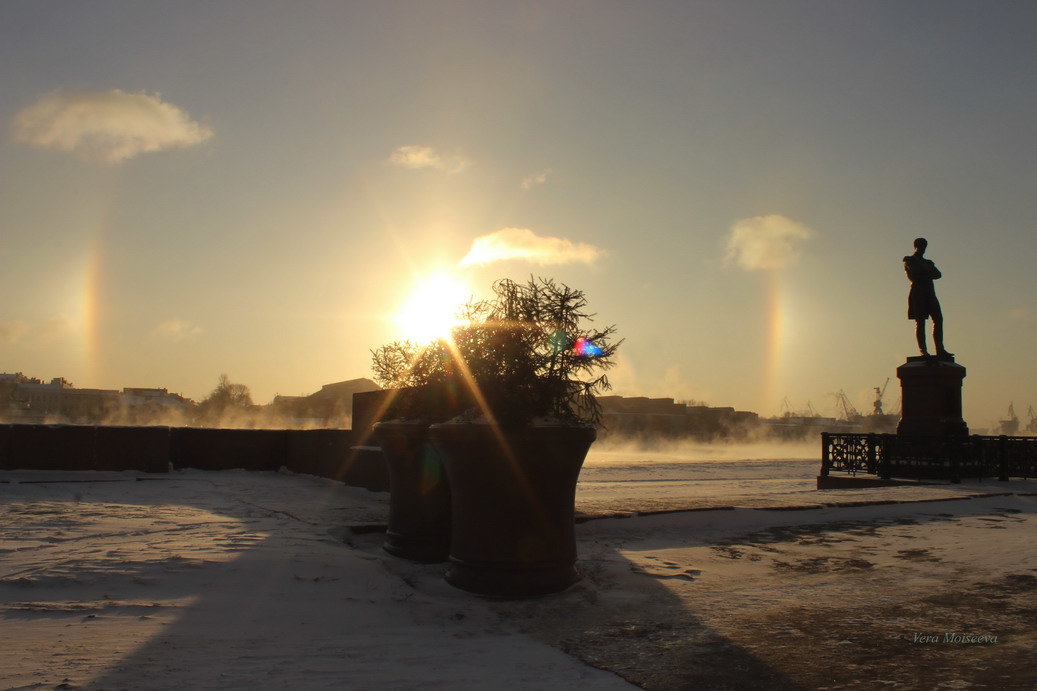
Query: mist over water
(614, 451)
(668, 473)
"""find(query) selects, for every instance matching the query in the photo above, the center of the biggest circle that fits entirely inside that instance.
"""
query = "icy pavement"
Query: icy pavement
(233, 580)
(244, 580)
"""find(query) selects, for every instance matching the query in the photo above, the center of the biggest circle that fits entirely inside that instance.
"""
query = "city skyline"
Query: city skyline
(267, 189)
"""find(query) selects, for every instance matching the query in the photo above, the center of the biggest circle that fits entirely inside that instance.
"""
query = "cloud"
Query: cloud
(524, 244)
(56, 328)
(109, 126)
(538, 179)
(766, 242)
(38, 333)
(416, 157)
(175, 329)
(12, 331)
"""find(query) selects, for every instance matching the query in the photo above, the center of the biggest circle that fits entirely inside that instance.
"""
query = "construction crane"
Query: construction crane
(879, 393)
(1011, 425)
(849, 412)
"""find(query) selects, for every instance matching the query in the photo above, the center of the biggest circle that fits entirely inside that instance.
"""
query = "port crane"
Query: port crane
(849, 412)
(879, 393)
(788, 412)
(1032, 426)
(1011, 425)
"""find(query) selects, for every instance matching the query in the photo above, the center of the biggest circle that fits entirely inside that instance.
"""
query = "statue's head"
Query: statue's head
(921, 244)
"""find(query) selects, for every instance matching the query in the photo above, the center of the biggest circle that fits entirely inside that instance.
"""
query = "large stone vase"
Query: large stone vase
(419, 500)
(513, 496)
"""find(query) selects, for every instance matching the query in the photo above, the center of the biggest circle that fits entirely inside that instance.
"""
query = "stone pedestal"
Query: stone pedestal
(931, 394)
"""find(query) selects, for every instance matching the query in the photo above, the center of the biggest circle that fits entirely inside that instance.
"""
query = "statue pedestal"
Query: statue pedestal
(931, 394)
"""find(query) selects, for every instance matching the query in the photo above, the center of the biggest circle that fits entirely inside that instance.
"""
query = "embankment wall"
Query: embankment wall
(330, 453)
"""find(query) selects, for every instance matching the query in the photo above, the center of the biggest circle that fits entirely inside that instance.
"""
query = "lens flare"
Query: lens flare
(581, 347)
(584, 347)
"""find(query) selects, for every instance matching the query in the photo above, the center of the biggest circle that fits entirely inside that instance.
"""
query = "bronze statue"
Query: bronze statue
(921, 301)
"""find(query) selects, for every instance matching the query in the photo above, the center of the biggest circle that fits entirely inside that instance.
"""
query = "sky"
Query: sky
(260, 188)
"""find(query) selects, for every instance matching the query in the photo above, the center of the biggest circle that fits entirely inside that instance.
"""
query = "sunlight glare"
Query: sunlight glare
(431, 310)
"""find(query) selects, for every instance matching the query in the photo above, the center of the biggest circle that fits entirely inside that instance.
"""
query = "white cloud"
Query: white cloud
(538, 179)
(416, 157)
(766, 242)
(109, 126)
(175, 329)
(524, 244)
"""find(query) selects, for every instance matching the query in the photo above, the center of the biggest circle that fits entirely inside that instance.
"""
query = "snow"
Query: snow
(242, 580)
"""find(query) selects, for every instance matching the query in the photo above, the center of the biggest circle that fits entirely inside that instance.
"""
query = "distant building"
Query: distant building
(30, 400)
(144, 406)
(162, 397)
(663, 417)
(331, 407)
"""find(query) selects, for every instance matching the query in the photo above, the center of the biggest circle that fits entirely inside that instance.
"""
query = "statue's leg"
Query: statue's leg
(920, 335)
(938, 336)
(937, 314)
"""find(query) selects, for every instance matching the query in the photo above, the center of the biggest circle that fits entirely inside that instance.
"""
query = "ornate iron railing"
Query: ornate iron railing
(888, 455)
(854, 453)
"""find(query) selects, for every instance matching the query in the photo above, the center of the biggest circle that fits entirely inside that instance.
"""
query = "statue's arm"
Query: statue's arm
(934, 273)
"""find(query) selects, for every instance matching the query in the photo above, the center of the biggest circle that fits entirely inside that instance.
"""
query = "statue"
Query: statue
(921, 301)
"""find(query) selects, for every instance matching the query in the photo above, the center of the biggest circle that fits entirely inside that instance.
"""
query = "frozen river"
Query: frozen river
(628, 480)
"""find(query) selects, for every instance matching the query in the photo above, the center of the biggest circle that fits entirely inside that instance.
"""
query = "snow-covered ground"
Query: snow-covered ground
(265, 580)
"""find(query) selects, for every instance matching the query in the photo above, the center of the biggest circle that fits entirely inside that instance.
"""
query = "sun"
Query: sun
(431, 309)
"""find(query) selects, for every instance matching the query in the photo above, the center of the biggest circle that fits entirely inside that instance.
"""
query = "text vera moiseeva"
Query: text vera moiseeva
(949, 637)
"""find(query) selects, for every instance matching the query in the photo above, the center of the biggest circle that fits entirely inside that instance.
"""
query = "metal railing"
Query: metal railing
(888, 455)
(854, 453)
